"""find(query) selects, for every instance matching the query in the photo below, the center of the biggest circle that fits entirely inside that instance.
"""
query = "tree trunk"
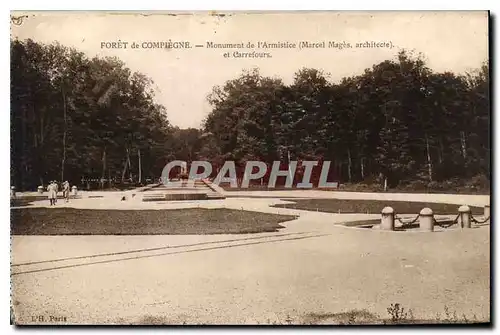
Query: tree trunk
(429, 162)
(385, 184)
(464, 144)
(124, 171)
(41, 130)
(24, 159)
(289, 172)
(441, 151)
(63, 162)
(362, 168)
(124, 167)
(129, 165)
(349, 165)
(140, 172)
(339, 170)
(103, 168)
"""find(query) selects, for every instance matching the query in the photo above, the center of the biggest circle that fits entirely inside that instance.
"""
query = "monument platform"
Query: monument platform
(199, 190)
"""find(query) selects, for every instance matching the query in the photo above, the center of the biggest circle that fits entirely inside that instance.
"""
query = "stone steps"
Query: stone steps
(199, 190)
(175, 197)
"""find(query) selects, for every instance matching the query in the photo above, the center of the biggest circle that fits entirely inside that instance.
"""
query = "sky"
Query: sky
(449, 41)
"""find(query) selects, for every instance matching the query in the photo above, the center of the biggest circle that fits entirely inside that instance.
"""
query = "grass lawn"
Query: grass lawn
(70, 221)
(372, 206)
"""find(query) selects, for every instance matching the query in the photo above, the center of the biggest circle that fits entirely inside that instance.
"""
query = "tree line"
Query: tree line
(397, 122)
(74, 118)
(77, 118)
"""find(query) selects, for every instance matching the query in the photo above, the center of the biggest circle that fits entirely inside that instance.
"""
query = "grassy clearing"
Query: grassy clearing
(372, 206)
(199, 221)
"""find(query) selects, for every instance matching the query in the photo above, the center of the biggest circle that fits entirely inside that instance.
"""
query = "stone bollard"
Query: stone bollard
(40, 189)
(487, 213)
(426, 219)
(74, 190)
(465, 220)
(387, 222)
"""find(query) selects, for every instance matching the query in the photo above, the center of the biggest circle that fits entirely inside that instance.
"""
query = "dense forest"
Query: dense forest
(77, 118)
(398, 121)
(73, 117)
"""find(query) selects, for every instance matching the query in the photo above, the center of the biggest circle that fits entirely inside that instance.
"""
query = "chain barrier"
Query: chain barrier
(407, 223)
(444, 225)
(473, 219)
(440, 224)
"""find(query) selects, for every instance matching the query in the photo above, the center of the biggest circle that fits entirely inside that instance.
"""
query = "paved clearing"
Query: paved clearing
(311, 266)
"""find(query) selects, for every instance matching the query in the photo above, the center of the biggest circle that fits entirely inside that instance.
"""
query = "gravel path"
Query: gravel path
(311, 266)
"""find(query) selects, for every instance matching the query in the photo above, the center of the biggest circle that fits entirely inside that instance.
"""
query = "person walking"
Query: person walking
(56, 189)
(52, 195)
(66, 190)
(48, 193)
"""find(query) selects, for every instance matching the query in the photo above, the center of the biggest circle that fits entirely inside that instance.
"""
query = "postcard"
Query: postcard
(250, 168)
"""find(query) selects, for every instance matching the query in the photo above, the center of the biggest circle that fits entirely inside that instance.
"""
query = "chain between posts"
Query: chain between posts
(473, 219)
(444, 225)
(407, 223)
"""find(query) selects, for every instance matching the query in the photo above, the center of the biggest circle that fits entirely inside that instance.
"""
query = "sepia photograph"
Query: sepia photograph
(291, 168)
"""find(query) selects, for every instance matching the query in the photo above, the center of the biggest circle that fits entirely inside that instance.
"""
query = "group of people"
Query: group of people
(53, 188)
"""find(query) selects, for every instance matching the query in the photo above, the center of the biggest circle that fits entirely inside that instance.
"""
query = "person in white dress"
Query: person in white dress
(56, 189)
(66, 190)
(51, 188)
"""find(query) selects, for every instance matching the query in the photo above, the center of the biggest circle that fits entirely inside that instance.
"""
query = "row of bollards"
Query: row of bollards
(426, 218)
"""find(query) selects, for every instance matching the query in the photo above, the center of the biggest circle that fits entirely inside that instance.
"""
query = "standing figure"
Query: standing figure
(66, 190)
(56, 189)
(49, 187)
(52, 195)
